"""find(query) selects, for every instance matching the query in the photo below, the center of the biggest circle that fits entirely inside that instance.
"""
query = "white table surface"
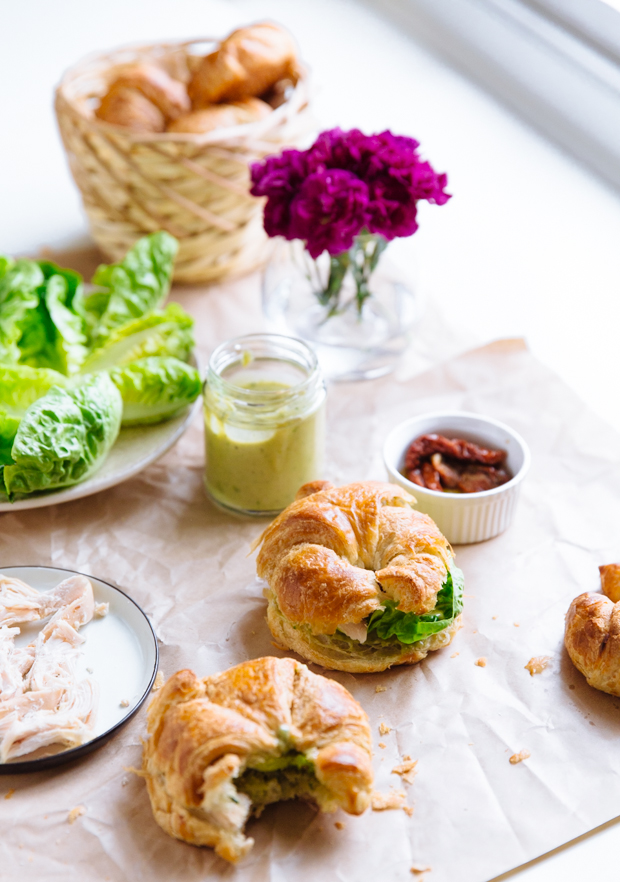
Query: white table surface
(528, 246)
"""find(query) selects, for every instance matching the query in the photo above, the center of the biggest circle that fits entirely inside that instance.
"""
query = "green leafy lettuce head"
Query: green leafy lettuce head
(155, 389)
(137, 285)
(20, 386)
(164, 332)
(64, 436)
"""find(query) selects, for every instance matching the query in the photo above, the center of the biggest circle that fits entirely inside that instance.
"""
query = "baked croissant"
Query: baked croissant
(219, 116)
(357, 579)
(246, 64)
(122, 106)
(592, 633)
(143, 97)
(266, 730)
(167, 94)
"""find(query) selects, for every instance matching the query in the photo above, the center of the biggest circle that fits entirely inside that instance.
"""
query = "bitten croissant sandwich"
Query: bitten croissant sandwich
(592, 635)
(226, 746)
(358, 580)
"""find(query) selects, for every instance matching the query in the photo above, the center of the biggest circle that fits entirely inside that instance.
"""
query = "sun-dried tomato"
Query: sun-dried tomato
(440, 463)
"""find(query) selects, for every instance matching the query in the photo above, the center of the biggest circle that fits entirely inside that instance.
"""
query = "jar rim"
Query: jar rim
(237, 346)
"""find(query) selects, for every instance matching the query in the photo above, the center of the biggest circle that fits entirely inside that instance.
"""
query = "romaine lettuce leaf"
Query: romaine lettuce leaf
(20, 386)
(155, 389)
(137, 285)
(8, 430)
(6, 263)
(18, 297)
(64, 436)
(389, 621)
(69, 328)
(167, 332)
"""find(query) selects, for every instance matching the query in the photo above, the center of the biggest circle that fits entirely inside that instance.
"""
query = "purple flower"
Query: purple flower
(344, 183)
(279, 178)
(329, 211)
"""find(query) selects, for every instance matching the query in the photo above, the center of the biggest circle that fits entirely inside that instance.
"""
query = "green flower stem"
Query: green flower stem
(361, 260)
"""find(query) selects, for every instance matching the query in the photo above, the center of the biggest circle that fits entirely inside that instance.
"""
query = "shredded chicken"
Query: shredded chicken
(44, 699)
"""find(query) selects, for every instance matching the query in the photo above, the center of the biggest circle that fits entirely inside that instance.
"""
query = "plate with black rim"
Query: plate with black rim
(120, 653)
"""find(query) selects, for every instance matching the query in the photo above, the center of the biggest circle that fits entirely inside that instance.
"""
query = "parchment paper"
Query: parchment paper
(187, 564)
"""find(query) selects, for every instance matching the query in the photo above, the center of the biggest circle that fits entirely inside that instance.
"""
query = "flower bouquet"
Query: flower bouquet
(347, 195)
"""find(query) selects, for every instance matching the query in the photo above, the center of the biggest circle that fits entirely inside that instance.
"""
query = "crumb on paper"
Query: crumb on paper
(406, 770)
(89, 670)
(406, 758)
(481, 662)
(516, 624)
(474, 632)
(470, 743)
(124, 702)
(159, 681)
(380, 688)
(102, 609)
(384, 729)
(382, 802)
(9, 793)
(76, 813)
(537, 664)
(519, 757)
(408, 810)
(418, 868)
(382, 745)
(494, 617)
(339, 825)
(454, 655)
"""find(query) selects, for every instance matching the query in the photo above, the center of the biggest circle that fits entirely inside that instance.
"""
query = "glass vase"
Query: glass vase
(358, 318)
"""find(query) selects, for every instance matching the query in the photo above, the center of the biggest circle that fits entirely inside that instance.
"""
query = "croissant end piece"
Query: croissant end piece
(592, 639)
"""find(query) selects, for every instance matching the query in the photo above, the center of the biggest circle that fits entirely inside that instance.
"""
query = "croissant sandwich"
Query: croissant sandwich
(358, 580)
(592, 634)
(222, 748)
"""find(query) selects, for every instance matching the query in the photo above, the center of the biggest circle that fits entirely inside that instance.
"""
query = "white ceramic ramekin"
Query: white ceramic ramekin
(462, 517)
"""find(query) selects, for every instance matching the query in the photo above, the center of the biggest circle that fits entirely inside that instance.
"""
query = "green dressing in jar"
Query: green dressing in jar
(264, 402)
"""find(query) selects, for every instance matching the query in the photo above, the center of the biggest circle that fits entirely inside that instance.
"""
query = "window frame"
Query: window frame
(556, 62)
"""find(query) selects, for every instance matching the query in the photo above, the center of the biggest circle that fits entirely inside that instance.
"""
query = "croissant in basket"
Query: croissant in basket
(247, 63)
(358, 580)
(592, 633)
(143, 97)
(219, 116)
(264, 731)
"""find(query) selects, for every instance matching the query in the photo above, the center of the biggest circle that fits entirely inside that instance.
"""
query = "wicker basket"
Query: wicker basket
(194, 186)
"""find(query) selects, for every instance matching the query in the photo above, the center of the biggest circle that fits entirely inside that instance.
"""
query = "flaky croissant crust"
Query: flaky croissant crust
(337, 553)
(592, 639)
(204, 733)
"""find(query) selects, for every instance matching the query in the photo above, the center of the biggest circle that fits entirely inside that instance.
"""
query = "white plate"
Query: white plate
(133, 451)
(120, 650)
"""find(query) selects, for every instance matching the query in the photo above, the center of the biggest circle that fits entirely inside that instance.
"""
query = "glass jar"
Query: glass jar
(264, 401)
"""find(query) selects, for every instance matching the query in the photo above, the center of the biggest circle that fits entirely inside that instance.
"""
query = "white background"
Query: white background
(529, 245)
